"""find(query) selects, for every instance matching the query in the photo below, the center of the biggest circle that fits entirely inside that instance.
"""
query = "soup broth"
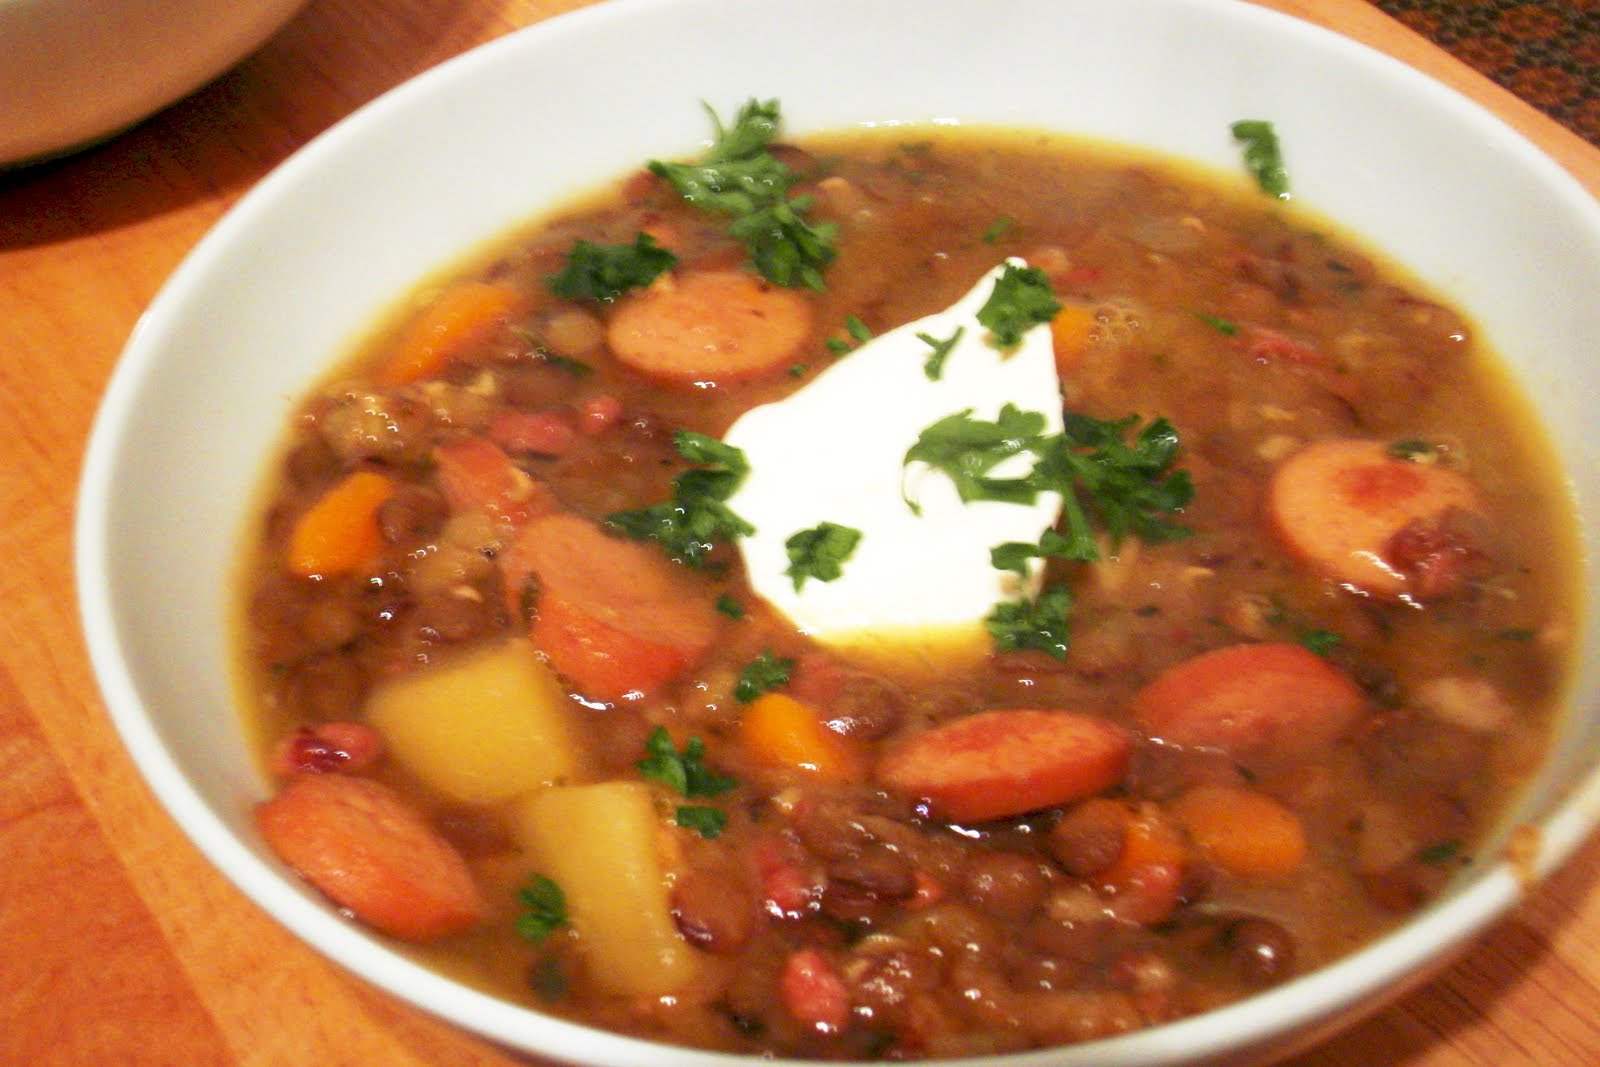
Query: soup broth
(1270, 724)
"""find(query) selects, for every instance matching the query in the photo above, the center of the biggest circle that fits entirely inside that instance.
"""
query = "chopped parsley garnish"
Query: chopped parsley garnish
(685, 773)
(934, 367)
(1040, 623)
(762, 675)
(967, 449)
(1262, 156)
(739, 177)
(1105, 481)
(1223, 326)
(820, 552)
(707, 821)
(1321, 642)
(544, 909)
(605, 272)
(998, 229)
(1016, 555)
(784, 248)
(696, 519)
(1127, 486)
(1022, 299)
(858, 336)
(730, 607)
(1310, 636)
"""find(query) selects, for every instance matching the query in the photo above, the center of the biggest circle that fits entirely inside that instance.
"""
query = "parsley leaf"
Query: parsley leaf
(1321, 642)
(696, 519)
(1223, 326)
(605, 272)
(737, 176)
(684, 773)
(1016, 555)
(1022, 298)
(707, 821)
(544, 909)
(967, 449)
(820, 552)
(998, 229)
(764, 674)
(784, 248)
(1262, 156)
(859, 335)
(1040, 623)
(1105, 481)
(1125, 486)
(1099, 475)
(934, 367)
(730, 607)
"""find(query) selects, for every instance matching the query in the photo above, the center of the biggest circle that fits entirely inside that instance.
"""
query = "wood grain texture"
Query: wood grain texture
(119, 944)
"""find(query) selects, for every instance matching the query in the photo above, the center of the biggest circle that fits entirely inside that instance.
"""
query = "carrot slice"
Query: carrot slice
(783, 733)
(465, 315)
(1243, 831)
(1071, 330)
(369, 851)
(1248, 700)
(613, 616)
(709, 327)
(1000, 763)
(475, 474)
(339, 534)
(1339, 505)
(1147, 878)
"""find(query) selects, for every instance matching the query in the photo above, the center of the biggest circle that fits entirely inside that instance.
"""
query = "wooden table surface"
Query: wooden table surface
(119, 945)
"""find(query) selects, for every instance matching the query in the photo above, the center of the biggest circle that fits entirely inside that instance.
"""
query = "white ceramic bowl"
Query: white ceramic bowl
(453, 158)
(75, 71)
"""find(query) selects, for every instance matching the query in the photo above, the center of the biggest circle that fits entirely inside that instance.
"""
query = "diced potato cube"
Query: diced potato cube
(600, 844)
(485, 727)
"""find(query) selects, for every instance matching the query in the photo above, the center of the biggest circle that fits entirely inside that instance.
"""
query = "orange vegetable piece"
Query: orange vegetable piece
(783, 733)
(1340, 504)
(1241, 830)
(1071, 330)
(709, 326)
(465, 315)
(339, 534)
(613, 616)
(1147, 877)
(369, 851)
(1001, 763)
(1252, 699)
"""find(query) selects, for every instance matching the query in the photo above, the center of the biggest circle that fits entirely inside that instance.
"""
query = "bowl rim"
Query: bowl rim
(1383, 966)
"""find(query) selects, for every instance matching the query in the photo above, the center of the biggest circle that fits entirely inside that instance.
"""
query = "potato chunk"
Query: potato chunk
(600, 844)
(486, 727)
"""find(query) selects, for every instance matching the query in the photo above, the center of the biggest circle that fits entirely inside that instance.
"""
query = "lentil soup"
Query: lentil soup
(527, 708)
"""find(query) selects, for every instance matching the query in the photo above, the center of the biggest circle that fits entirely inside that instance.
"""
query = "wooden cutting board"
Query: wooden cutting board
(118, 943)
